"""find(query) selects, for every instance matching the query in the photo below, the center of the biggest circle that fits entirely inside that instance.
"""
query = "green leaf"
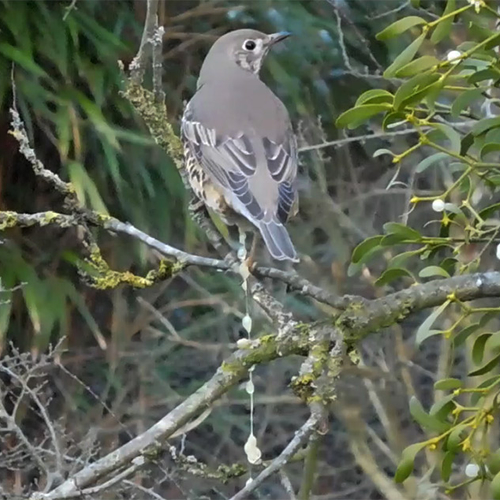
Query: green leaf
(487, 317)
(493, 462)
(493, 342)
(485, 74)
(464, 334)
(451, 207)
(85, 187)
(447, 465)
(417, 66)
(442, 30)
(423, 94)
(413, 86)
(485, 124)
(447, 384)
(452, 135)
(405, 467)
(403, 230)
(490, 147)
(399, 27)
(467, 142)
(425, 328)
(478, 347)
(364, 247)
(392, 239)
(405, 57)
(374, 96)
(495, 487)
(490, 365)
(463, 101)
(430, 271)
(398, 260)
(392, 118)
(456, 437)
(449, 264)
(382, 151)
(391, 274)
(354, 117)
(424, 419)
(442, 408)
(430, 160)
(493, 42)
(433, 93)
(21, 58)
(487, 212)
(489, 383)
(5, 310)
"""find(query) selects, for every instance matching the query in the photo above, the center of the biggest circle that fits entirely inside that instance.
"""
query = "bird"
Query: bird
(239, 146)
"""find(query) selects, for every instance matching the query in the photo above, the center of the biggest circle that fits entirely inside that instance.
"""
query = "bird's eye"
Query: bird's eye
(249, 45)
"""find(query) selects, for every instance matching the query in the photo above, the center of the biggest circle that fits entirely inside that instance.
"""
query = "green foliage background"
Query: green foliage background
(139, 353)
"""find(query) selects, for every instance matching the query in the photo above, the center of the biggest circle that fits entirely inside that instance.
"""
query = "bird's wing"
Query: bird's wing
(282, 163)
(232, 160)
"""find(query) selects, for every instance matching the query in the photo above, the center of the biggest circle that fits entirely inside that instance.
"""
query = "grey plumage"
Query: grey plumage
(241, 153)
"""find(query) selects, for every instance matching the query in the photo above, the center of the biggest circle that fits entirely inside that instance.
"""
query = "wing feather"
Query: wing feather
(232, 161)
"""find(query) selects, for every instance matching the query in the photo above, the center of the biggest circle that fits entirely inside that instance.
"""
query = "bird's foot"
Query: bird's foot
(242, 250)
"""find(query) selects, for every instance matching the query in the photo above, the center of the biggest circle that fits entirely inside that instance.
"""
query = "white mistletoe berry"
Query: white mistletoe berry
(438, 205)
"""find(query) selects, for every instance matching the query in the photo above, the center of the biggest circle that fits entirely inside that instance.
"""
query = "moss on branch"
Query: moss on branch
(99, 275)
(155, 117)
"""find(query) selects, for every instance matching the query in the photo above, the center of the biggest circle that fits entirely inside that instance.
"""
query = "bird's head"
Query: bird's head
(247, 48)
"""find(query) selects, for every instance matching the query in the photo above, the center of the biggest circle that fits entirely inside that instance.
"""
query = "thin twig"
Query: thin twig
(167, 250)
(287, 484)
(392, 11)
(137, 463)
(304, 287)
(157, 43)
(301, 436)
(355, 324)
(19, 132)
(137, 67)
(360, 138)
(69, 9)
(310, 467)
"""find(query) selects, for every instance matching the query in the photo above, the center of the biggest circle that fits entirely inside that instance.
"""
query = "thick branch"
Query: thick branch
(151, 441)
(367, 316)
(355, 323)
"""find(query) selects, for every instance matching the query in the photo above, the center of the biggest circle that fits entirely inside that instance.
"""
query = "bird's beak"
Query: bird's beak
(278, 37)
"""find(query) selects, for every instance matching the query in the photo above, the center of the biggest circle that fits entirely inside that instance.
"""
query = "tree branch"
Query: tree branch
(360, 319)
(301, 436)
(137, 67)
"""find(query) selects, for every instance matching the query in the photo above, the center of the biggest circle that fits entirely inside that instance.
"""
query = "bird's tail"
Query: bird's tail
(278, 241)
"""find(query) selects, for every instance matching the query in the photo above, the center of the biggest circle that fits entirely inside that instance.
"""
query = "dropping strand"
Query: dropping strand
(252, 451)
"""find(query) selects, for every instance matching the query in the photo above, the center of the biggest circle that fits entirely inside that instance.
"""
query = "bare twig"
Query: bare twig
(287, 485)
(360, 138)
(69, 9)
(371, 316)
(157, 42)
(19, 132)
(384, 135)
(137, 463)
(167, 250)
(392, 11)
(301, 436)
(293, 280)
(137, 67)
(304, 287)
